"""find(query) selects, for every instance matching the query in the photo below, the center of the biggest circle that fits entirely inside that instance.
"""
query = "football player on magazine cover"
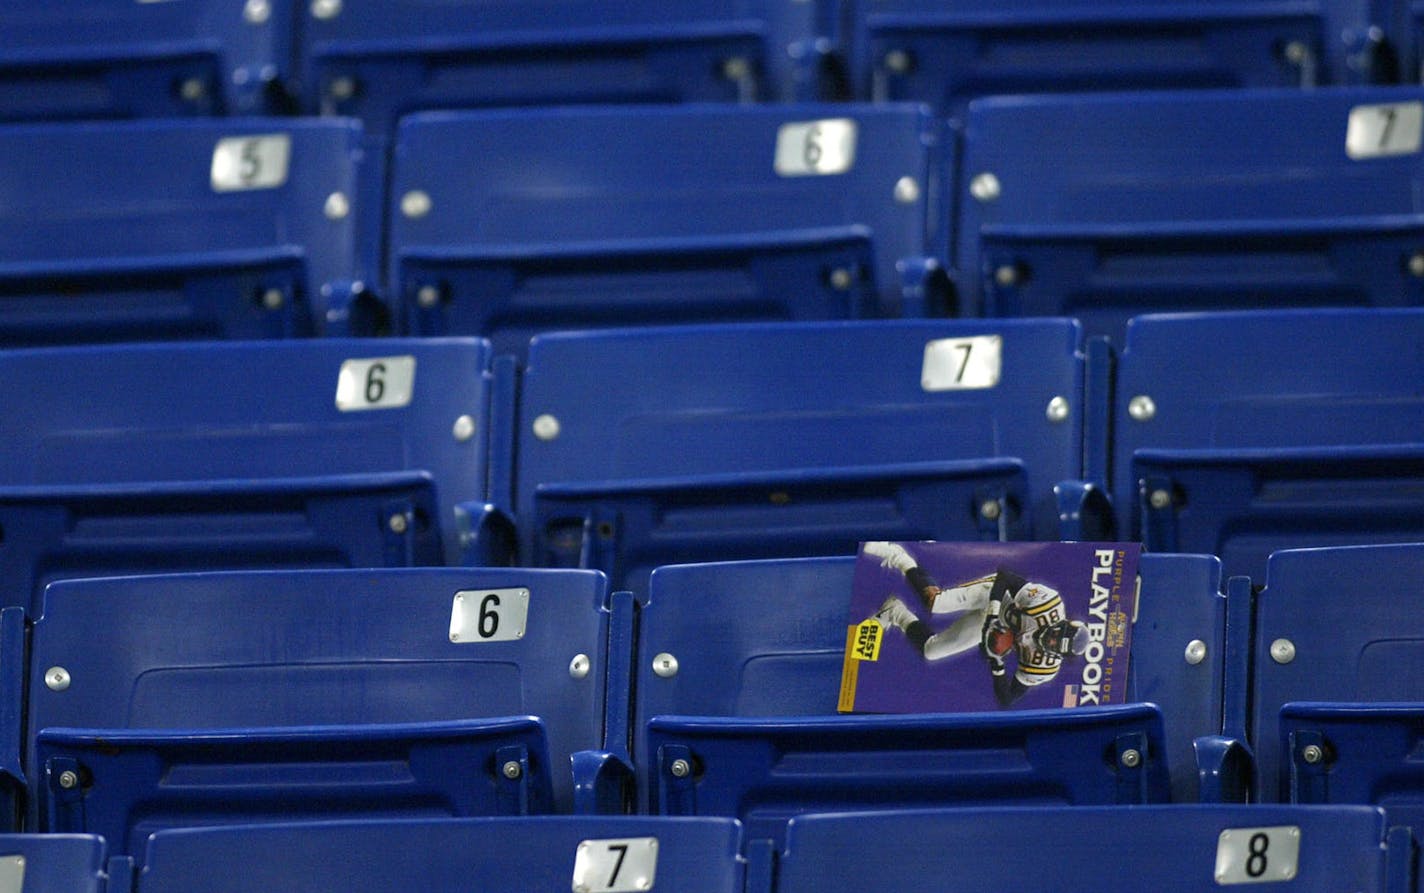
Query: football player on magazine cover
(1000, 615)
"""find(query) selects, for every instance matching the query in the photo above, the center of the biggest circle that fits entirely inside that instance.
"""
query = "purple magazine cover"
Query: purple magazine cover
(950, 627)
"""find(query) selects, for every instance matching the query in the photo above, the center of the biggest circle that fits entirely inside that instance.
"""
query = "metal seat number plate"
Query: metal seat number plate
(12, 874)
(959, 364)
(1257, 855)
(488, 615)
(625, 865)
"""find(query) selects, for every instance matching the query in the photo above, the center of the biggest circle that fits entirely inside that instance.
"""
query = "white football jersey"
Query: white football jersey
(1032, 608)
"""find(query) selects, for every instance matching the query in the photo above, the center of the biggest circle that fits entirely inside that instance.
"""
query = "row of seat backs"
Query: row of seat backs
(1232, 434)
(1222, 200)
(501, 223)
(136, 682)
(270, 227)
(156, 701)
(1172, 848)
(371, 453)
(104, 58)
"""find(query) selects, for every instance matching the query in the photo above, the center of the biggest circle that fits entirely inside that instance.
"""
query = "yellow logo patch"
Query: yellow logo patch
(865, 641)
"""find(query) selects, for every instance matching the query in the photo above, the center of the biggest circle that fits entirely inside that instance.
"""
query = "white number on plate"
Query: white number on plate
(489, 615)
(1378, 131)
(815, 148)
(616, 866)
(377, 383)
(12, 874)
(1257, 855)
(251, 162)
(957, 364)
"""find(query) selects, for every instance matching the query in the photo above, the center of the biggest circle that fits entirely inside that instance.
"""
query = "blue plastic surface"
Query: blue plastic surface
(1369, 756)
(380, 60)
(752, 706)
(115, 232)
(437, 856)
(132, 783)
(131, 459)
(57, 863)
(769, 441)
(1357, 656)
(789, 639)
(581, 218)
(1180, 604)
(121, 59)
(352, 674)
(1172, 849)
(949, 51)
(766, 770)
(1216, 200)
(1270, 431)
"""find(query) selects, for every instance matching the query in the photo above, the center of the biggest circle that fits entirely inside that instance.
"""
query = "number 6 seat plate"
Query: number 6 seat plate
(494, 615)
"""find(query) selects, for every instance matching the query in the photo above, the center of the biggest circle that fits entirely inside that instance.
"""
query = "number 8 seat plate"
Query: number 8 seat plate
(1257, 855)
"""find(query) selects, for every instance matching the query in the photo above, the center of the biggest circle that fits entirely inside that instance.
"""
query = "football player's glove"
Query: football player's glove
(996, 666)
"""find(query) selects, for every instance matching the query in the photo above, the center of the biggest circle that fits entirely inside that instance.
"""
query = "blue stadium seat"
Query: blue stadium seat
(1336, 714)
(192, 699)
(380, 60)
(639, 448)
(738, 672)
(449, 856)
(1242, 433)
(949, 51)
(158, 230)
(120, 58)
(1220, 200)
(152, 458)
(503, 224)
(52, 863)
(1170, 849)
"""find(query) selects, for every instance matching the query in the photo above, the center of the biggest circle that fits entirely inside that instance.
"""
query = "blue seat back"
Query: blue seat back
(119, 59)
(789, 641)
(443, 856)
(1229, 441)
(126, 459)
(643, 448)
(744, 700)
(667, 214)
(381, 60)
(1178, 655)
(948, 53)
(241, 655)
(52, 863)
(1174, 849)
(1330, 629)
(1221, 200)
(154, 230)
